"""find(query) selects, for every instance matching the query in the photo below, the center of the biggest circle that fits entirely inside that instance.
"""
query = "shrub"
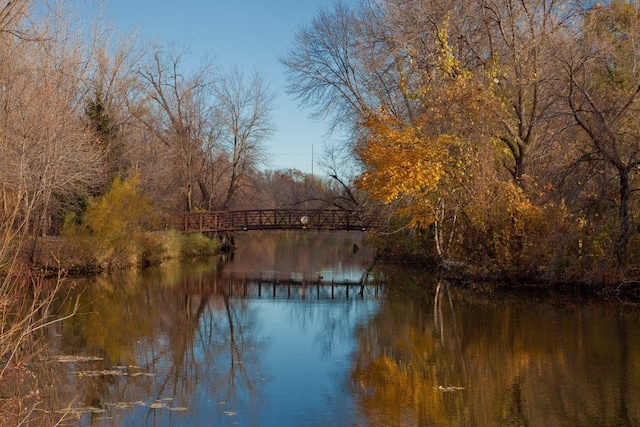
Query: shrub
(198, 245)
(112, 226)
(172, 241)
(153, 249)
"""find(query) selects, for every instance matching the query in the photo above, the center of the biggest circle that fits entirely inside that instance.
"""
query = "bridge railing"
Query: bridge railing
(272, 219)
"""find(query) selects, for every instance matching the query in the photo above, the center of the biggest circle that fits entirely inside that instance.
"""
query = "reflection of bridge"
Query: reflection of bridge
(272, 219)
(244, 287)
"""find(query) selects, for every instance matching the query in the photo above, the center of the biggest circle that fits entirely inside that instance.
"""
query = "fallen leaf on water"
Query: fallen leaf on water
(88, 409)
(142, 374)
(100, 373)
(67, 358)
(450, 388)
(229, 413)
(177, 408)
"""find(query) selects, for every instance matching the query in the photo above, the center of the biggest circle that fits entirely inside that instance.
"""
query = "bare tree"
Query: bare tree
(49, 156)
(603, 98)
(48, 160)
(341, 167)
(244, 116)
(325, 67)
(14, 19)
(179, 113)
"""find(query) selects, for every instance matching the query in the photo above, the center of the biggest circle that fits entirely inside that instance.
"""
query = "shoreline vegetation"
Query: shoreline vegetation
(114, 231)
(57, 255)
(502, 141)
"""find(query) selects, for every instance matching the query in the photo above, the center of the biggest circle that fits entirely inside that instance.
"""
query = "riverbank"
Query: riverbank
(423, 281)
(54, 255)
(607, 285)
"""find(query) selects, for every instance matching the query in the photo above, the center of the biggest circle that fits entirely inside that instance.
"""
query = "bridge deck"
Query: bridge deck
(271, 219)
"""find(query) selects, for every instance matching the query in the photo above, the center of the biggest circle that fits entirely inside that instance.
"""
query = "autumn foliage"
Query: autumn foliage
(506, 166)
(113, 225)
(441, 168)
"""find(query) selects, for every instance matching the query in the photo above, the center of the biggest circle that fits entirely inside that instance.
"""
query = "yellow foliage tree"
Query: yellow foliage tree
(114, 223)
(401, 162)
(444, 153)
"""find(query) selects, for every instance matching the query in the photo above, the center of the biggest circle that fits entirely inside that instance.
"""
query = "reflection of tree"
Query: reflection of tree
(174, 334)
(164, 342)
(622, 410)
(460, 359)
(236, 349)
(182, 354)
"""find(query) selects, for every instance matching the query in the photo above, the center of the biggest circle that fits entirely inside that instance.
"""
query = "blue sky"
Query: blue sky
(251, 34)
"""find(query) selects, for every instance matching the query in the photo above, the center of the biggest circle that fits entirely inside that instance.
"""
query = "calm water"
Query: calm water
(274, 337)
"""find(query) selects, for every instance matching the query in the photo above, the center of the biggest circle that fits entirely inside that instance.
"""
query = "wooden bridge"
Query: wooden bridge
(272, 219)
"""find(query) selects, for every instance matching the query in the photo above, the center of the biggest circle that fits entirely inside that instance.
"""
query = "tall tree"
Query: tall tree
(513, 42)
(344, 64)
(243, 114)
(179, 113)
(603, 97)
(442, 156)
(112, 77)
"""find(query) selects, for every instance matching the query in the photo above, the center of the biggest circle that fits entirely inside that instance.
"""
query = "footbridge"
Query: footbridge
(273, 219)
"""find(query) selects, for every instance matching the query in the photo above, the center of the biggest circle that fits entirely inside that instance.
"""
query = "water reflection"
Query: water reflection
(285, 334)
(456, 358)
(212, 344)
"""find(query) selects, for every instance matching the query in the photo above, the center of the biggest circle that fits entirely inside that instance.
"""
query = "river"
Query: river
(301, 329)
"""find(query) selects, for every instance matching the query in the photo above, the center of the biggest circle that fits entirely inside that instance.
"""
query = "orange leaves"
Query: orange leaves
(442, 148)
(400, 161)
(434, 155)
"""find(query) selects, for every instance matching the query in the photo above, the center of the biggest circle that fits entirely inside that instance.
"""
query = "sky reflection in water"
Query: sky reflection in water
(196, 352)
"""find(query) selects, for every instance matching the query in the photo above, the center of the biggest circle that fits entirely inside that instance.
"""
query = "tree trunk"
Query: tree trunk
(623, 217)
(189, 201)
(206, 196)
